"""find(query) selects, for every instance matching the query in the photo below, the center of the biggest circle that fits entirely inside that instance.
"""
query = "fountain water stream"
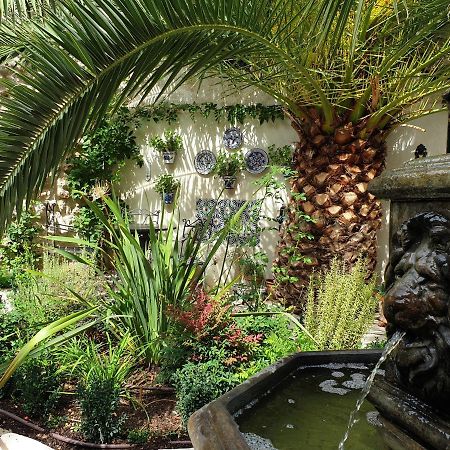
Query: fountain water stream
(390, 347)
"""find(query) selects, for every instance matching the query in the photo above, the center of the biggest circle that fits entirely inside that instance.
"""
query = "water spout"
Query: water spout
(390, 346)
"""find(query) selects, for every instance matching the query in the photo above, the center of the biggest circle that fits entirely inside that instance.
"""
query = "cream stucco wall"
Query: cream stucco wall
(204, 134)
(207, 134)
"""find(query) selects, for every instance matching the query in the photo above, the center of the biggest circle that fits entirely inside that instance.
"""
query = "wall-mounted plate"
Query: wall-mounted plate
(256, 160)
(233, 138)
(204, 162)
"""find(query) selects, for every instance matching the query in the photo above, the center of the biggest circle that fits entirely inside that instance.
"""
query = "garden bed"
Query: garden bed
(154, 414)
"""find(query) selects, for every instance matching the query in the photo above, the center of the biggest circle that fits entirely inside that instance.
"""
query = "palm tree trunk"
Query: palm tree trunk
(333, 172)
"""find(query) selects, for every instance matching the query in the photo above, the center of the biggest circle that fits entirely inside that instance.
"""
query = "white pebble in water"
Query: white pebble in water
(291, 401)
(337, 374)
(373, 418)
(256, 442)
(357, 382)
(330, 386)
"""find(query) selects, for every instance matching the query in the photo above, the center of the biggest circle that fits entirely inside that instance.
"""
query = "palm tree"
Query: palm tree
(346, 70)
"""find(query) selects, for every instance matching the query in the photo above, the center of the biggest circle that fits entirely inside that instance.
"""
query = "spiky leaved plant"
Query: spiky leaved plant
(346, 70)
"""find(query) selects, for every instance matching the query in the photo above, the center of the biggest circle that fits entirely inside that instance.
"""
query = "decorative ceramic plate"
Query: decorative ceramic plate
(204, 162)
(256, 160)
(233, 138)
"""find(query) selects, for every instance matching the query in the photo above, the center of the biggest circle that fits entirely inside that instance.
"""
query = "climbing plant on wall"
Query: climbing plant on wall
(102, 154)
(96, 165)
(169, 112)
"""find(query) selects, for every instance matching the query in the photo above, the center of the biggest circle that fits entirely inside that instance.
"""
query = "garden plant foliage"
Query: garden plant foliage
(340, 306)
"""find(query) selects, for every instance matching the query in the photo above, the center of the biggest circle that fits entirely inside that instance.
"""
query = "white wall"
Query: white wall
(402, 142)
(207, 134)
(204, 134)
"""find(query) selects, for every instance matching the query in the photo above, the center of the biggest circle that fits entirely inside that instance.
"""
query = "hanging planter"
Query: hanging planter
(168, 197)
(167, 186)
(227, 167)
(229, 182)
(170, 146)
(169, 157)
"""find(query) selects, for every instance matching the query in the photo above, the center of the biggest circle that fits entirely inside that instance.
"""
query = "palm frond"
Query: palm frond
(76, 62)
(22, 9)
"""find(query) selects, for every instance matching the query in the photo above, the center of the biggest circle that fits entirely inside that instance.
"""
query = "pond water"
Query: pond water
(311, 409)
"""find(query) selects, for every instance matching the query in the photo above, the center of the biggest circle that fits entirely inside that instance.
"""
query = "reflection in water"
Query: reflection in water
(301, 414)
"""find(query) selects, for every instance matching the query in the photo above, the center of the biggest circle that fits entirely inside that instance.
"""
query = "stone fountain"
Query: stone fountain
(413, 397)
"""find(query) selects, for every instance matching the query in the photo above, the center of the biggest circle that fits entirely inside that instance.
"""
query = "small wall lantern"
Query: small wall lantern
(421, 151)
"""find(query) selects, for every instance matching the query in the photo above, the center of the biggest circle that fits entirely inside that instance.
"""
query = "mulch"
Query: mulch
(146, 409)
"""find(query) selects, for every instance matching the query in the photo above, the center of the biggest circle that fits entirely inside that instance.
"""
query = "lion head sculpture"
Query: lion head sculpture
(417, 302)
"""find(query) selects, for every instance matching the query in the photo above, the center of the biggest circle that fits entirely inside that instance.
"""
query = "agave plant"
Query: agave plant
(346, 70)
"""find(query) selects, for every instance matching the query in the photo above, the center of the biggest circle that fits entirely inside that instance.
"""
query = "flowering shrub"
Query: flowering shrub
(207, 331)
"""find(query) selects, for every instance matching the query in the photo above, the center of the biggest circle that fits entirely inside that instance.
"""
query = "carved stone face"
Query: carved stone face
(417, 302)
(418, 278)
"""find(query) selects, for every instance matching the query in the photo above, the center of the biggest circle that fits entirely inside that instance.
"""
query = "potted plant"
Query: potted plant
(167, 186)
(281, 157)
(169, 146)
(253, 267)
(227, 166)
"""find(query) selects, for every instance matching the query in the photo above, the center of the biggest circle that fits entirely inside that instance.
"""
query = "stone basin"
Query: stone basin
(213, 427)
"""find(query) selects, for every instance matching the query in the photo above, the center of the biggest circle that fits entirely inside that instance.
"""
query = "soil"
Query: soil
(145, 409)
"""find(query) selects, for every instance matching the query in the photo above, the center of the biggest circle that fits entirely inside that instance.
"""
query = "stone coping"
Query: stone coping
(408, 413)
(213, 426)
(420, 179)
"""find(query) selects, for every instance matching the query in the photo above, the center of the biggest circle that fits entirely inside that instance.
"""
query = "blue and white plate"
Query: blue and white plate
(256, 160)
(233, 138)
(204, 162)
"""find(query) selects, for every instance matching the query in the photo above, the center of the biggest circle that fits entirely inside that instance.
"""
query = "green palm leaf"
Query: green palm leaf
(77, 61)
(346, 59)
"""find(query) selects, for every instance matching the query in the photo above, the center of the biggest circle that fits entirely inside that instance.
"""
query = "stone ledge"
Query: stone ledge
(421, 179)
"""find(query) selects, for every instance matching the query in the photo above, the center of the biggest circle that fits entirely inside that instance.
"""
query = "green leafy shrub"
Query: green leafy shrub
(279, 336)
(138, 437)
(280, 156)
(101, 373)
(18, 249)
(340, 306)
(87, 225)
(166, 183)
(172, 142)
(37, 386)
(102, 154)
(199, 384)
(99, 401)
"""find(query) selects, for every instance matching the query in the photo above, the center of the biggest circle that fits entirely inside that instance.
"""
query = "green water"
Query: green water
(299, 415)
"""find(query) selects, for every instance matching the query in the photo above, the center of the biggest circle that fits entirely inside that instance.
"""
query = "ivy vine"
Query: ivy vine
(169, 112)
(102, 153)
(96, 165)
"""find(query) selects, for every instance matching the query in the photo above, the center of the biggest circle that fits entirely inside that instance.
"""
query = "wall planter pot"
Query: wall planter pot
(169, 157)
(168, 197)
(229, 182)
